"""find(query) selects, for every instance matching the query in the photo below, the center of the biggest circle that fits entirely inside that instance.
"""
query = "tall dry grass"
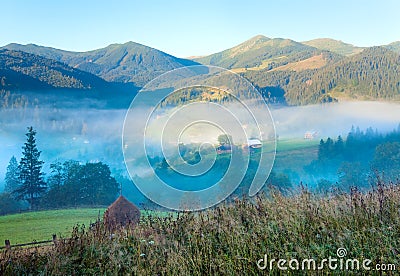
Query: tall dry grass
(230, 238)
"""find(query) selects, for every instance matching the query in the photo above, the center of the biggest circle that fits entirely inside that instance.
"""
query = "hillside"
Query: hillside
(261, 52)
(41, 225)
(394, 46)
(335, 46)
(284, 70)
(128, 62)
(314, 62)
(25, 71)
(228, 239)
(28, 80)
(372, 74)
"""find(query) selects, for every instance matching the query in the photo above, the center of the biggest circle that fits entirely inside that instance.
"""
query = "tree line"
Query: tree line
(21, 70)
(357, 160)
(70, 183)
(372, 74)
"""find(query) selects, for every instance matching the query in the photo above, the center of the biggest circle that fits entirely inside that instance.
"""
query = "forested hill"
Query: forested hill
(25, 71)
(128, 62)
(372, 74)
(286, 71)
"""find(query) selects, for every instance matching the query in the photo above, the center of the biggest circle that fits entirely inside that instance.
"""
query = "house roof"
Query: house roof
(253, 142)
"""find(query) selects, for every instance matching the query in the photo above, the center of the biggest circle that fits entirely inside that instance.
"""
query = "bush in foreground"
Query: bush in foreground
(229, 239)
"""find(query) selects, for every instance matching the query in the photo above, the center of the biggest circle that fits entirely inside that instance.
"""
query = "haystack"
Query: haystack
(121, 213)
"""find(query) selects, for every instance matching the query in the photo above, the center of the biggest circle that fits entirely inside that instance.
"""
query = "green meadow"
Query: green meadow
(41, 225)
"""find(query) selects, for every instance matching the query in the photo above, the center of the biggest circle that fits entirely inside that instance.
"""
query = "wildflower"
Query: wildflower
(142, 255)
(151, 242)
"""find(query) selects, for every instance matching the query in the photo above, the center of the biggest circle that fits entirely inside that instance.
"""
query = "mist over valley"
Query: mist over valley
(91, 134)
(77, 103)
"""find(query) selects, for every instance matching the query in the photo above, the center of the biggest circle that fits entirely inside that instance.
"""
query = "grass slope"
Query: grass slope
(294, 154)
(260, 52)
(41, 225)
(313, 62)
(230, 239)
(27, 227)
(335, 46)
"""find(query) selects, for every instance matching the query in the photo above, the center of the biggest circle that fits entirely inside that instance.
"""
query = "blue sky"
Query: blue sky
(186, 28)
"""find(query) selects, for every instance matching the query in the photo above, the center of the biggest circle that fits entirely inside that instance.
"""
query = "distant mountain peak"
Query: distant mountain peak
(327, 41)
(259, 38)
(394, 46)
(126, 62)
(252, 43)
(126, 44)
(395, 43)
(335, 46)
(259, 52)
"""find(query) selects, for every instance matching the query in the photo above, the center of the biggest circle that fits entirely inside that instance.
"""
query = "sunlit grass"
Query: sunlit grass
(295, 144)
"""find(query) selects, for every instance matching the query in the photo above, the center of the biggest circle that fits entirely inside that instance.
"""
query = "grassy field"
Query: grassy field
(41, 225)
(226, 240)
(231, 239)
(294, 154)
(295, 144)
(30, 226)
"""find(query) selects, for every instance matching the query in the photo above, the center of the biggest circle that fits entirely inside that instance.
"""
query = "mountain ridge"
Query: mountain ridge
(127, 62)
(40, 70)
(371, 74)
(258, 51)
(277, 66)
(336, 46)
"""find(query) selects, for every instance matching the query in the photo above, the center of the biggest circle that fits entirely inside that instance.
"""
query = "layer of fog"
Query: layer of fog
(335, 119)
(89, 134)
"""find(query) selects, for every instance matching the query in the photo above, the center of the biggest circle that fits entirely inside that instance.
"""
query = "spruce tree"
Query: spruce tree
(32, 185)
(339, 146)
(12, 176)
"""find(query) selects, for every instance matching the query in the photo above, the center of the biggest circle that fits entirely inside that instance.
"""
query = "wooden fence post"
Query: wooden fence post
(8, 244)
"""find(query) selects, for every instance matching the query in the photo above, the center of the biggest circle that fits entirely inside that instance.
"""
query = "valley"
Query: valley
(316, 91)
(199, 137)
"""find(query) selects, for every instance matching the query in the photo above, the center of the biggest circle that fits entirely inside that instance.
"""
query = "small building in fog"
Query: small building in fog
(309, 135)
(254, 143)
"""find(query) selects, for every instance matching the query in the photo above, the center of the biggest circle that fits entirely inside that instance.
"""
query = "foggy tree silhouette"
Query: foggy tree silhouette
(32, 185)
(12, 176)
